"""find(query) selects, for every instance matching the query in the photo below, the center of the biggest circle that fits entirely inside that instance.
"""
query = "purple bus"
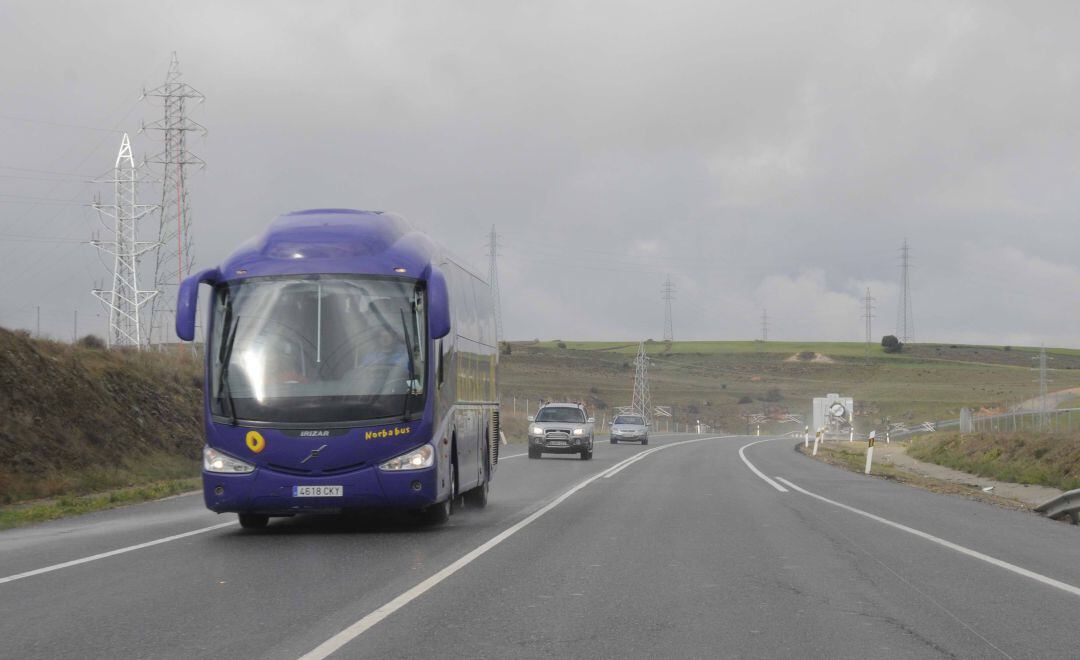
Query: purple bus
(350, 364)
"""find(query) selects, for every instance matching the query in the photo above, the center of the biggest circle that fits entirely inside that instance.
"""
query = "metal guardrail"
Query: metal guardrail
(1062, 507)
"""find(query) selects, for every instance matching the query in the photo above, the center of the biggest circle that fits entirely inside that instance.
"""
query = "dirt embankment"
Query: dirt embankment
(80, 419)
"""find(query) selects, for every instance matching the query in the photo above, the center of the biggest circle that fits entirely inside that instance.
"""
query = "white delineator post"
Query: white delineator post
(759, 429)
(817, 441)
(869, 451)
(806, 437)
(851, 435)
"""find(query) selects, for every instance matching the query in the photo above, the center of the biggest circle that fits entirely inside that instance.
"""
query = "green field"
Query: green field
(720, 383)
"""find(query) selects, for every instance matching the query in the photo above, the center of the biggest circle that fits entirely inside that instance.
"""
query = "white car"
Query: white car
(561, 428)
(629, 427)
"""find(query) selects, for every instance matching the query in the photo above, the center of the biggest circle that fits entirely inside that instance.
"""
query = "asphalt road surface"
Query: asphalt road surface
(693, 550)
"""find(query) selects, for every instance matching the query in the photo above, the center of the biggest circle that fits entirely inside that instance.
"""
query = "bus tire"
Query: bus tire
(477, 498)
(253, 520)
(436, 514)
(439, 513)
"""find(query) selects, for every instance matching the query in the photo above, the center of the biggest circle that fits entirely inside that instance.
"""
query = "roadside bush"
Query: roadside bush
(92, 341)
(891, 344)
(774, 395)
(561, 344)
(807, 356)
(745, 399)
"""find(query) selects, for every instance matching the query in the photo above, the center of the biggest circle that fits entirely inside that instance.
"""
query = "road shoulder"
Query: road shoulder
(892, 462)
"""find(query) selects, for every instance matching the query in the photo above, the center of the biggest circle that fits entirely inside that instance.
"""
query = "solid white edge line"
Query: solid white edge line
(112, 553)
(994, 561)
(757, 471)
(360, 627)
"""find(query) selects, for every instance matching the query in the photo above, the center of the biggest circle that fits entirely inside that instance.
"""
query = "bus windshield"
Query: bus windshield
(317, 350)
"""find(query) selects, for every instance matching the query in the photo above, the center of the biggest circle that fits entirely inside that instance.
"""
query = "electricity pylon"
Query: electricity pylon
(868, 317)
(640, 403)
(905, 318)
(493, 278)
(175, 258)
(125, 298)
(668, 294)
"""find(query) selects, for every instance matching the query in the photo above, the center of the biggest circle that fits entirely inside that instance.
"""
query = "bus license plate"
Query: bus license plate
(318, 491)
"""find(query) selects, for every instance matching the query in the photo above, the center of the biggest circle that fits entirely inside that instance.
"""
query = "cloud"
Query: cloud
(765, 156)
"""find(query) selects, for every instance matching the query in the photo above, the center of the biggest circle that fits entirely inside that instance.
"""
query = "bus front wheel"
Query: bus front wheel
(253, 520)
(478, 497)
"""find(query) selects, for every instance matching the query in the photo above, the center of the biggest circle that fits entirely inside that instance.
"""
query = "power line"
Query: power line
(905, 318)
(668, 294)
(60, 124)
(764, 325)
(493, 279)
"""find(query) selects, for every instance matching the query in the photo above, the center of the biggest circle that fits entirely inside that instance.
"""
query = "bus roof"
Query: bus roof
(333, 241)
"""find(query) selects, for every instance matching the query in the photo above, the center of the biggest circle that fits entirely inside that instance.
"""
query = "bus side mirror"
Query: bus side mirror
(187, 301)
(438, 305)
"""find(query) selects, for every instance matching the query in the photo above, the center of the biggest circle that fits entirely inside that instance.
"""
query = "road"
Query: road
(688, 551)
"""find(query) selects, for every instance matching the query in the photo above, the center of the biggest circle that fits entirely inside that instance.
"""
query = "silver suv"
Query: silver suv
(629, 427)
(561, 428)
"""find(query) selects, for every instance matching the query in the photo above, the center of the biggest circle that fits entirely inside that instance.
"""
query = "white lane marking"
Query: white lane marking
(112, 553)
(637, 457)
(757, 471)
(503, 458)
(363, 625)
(994, 561)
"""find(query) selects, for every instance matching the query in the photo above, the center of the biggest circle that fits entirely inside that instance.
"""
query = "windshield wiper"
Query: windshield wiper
(412, 366)
(226, 357)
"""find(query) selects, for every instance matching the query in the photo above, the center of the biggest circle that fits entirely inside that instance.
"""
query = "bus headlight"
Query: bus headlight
(416, 459)
(536, 430)
(579, 431)
(215, 461)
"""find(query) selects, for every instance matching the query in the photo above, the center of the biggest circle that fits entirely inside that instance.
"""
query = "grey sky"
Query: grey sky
(766, 155)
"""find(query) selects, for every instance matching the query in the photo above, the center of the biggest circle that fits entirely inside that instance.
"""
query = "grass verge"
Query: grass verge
(854, 459)
(68, 505)
(1023, 457)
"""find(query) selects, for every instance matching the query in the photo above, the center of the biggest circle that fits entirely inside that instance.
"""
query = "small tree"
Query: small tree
(891, 344)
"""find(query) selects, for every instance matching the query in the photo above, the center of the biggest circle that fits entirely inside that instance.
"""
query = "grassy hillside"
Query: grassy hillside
(75, 419)
(721, 382)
